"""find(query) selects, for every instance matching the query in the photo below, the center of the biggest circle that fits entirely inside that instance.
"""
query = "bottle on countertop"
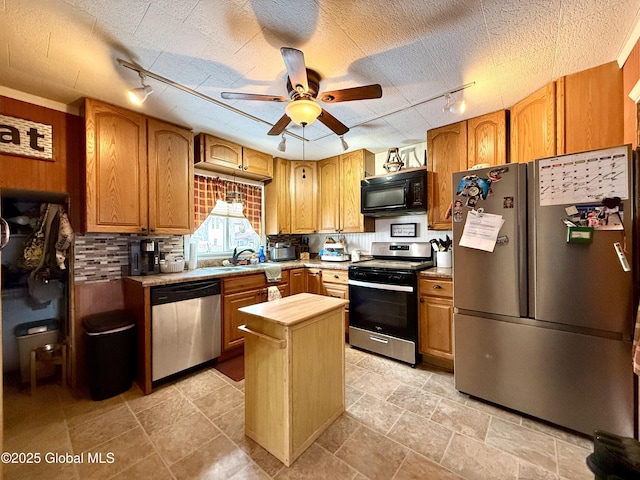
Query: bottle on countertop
(261, 255)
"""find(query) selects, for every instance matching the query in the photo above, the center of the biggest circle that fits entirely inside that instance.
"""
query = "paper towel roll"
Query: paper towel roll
(193, 255)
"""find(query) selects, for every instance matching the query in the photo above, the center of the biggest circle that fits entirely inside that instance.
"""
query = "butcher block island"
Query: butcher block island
(294, 371)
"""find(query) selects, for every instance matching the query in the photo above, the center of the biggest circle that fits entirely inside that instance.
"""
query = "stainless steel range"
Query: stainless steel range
(383, 297)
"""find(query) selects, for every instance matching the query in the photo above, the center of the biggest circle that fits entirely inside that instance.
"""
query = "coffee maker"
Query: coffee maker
(144, 257)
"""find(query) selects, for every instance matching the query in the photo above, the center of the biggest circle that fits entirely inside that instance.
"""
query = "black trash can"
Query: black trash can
(110, 343)
(614, 457)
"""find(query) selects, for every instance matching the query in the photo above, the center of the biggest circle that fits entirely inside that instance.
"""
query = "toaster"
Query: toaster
(281, 253)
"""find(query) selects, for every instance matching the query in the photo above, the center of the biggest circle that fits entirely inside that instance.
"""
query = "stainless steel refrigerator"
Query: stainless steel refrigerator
(544, 311)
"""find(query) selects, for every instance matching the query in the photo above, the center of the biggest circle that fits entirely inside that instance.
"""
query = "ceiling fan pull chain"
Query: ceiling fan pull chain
(303, 171)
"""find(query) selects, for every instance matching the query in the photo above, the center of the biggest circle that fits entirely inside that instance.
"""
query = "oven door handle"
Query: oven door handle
(376, 339)
(382, 286)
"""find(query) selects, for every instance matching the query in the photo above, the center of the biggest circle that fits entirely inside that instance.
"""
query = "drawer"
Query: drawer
(436, 287)
(250, 282)
(335, 276)
(337, 291)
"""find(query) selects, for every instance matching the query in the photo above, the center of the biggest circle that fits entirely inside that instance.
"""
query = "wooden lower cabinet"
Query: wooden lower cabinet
(242, 291)
(435, 326)
(314, 281)
(297, 281)
(334, 284)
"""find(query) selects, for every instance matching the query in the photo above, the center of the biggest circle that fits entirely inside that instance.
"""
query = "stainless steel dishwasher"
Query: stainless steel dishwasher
(185, 326)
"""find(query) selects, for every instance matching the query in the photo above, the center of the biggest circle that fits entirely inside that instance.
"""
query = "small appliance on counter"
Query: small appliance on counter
(281, 252)
(144, 257)
(334, 251)
(172, 264)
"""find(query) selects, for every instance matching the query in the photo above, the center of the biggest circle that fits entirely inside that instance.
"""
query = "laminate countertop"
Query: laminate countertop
(294, 309)
(205, 273)
(437, 272)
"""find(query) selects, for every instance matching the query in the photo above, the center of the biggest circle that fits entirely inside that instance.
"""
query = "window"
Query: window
(225, 229)
(221, 226)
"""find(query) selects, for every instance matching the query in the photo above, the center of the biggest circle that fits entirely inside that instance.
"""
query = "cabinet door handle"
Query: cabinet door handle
(336, 276)
(436, 287)
(276, 342)
(5, 235)
(421, 299)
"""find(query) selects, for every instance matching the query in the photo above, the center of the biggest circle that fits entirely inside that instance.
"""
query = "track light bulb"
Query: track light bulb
(282, 146)
(345, 145)
(456, 107)
(137, 96)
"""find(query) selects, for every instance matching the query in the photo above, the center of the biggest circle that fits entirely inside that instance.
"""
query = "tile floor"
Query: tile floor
(401, 423)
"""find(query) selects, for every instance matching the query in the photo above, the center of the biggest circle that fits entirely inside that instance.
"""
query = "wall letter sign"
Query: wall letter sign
(26, 138)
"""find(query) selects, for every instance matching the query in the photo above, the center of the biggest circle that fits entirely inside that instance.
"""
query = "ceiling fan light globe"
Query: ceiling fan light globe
(303, 111)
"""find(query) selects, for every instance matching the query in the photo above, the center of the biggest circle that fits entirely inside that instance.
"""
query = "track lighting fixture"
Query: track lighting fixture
(137, 96)
(345, 145)
(282, 146)
(454, 107)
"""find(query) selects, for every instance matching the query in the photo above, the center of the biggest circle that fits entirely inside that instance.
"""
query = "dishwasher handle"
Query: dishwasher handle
(178, 292)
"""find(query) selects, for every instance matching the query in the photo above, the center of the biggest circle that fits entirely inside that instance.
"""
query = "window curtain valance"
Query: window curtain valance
(209, 189)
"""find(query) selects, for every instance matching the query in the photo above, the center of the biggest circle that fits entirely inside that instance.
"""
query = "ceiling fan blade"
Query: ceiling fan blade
(253, 96)
(356, 93)
(333, 123)
(280, 125)
(296, 68)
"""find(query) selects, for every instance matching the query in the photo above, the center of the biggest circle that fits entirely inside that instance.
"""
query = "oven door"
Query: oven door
(388, 308)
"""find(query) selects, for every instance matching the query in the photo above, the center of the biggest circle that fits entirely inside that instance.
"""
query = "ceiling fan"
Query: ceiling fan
(302, 85)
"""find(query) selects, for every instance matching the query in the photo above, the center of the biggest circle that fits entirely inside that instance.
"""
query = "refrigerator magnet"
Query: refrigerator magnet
(457, 210)
(495, 175)
(507, 202)
(502, 240)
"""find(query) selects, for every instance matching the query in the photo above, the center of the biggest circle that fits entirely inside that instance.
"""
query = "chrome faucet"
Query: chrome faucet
(236, 254)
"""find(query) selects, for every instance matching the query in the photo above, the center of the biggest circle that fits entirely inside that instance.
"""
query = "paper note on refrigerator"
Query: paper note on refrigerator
(481, 230)
(585, 177)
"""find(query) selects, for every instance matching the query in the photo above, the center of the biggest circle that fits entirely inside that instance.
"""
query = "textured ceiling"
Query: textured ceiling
(416, 49)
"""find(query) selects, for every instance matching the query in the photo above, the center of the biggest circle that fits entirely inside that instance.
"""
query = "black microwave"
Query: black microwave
(401, 193)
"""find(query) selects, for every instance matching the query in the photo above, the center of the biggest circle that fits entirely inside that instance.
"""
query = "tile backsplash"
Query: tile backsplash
(102, 257)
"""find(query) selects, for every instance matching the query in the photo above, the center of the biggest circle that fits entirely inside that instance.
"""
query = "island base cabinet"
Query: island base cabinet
(294, 382)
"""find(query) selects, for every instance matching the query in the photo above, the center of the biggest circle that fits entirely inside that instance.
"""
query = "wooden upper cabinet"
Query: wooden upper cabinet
(590, 107)
(219, 155)
(222, 153)
(277, 195)
(329, 195)
(446, 154)
(487, 139)
(339, 193)
(257, 163)
(533, 126)
(170, 165)
(139, 173)
(116, 169)
(303, 196)
(353, 166)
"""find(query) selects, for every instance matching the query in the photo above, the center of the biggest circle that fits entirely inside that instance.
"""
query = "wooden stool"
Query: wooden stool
(50, 354)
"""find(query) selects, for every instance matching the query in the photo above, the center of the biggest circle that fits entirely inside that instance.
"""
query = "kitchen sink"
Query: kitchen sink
(236, 268)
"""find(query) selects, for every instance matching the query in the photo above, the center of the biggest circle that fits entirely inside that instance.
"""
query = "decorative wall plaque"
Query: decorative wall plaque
(403, 229)
(26, 138)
